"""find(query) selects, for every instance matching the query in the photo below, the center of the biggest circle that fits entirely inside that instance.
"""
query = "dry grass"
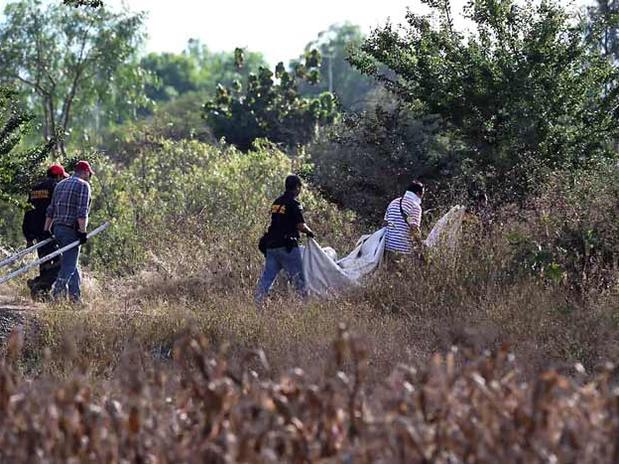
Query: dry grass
(176, 364)
(201, 408)
(404, 316)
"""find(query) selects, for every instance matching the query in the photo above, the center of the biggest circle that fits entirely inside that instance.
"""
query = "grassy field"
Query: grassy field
(499, 355)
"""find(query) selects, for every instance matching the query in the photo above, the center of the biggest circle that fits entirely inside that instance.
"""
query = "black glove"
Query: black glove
(46, 234)
(83, 236)
(310, 234)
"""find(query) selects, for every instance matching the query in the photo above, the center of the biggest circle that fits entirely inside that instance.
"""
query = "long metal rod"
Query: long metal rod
(20, 254)
(51, 256)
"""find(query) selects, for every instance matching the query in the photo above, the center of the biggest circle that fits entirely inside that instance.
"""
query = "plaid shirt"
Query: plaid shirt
(70, 202)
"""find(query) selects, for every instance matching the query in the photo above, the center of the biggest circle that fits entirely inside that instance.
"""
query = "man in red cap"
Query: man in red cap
(33, 228)
(67, 217)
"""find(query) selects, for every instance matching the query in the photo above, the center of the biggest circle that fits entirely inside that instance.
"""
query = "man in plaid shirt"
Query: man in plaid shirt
(67, 217)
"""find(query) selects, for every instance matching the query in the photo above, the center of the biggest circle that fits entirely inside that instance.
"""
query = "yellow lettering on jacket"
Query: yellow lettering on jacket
(39, 194)
(278, 209)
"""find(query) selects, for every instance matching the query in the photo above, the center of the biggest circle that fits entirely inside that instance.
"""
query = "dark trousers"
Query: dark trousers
(42, 284)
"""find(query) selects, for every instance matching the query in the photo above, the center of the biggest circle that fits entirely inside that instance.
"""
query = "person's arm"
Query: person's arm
(304, 228)
(416, 235)
(49, 215)
(27, 228)
(414, 222)
(386, 219)
(83, 208)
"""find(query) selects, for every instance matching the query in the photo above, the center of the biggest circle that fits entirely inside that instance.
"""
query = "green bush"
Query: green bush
(187, 190)
(370, 158)
(572, 233)
(527, 91)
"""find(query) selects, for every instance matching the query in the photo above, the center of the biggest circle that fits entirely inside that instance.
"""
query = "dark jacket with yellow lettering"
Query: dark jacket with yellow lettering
(34, 220)
(286, 215)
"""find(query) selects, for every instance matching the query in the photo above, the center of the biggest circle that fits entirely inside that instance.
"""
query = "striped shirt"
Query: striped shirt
(70, 202)
(398, 236)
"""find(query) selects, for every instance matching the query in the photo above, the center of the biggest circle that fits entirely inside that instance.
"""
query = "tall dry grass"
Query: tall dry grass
(199, 407)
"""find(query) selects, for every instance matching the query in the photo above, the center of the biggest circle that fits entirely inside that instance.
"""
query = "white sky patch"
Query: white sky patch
(280, 29)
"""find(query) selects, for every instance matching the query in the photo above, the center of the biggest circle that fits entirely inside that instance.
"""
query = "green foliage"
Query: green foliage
(270, 106)
(369, 158)
(337, 76)
(525, 92)
(18, 167)
(573, 233)
(176, 74)
(88, 3)
(604, 27)
(196, 69)
(76, 67)
(177, 119)
(188, 190)
(222, 67)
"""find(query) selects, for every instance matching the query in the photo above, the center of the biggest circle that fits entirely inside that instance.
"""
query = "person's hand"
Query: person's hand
(310, 234)
(46, 234)
(83, 236)
(29, 243)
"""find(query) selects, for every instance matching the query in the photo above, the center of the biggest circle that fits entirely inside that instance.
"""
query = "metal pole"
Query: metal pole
(20, 254)
(51, 256)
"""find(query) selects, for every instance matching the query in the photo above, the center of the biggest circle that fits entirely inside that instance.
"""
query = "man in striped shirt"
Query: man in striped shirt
(403, 219)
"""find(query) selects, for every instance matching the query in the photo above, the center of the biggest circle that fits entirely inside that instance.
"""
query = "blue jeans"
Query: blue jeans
(276, 260)
(69, 275)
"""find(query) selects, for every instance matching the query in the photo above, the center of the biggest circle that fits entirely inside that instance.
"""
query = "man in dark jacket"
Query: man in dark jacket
(282, 240)
(33, 229)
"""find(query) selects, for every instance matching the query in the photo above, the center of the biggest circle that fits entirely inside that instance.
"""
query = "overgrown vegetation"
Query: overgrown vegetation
(203, 408)
(170, 360)
(268, 109)
(526, 93)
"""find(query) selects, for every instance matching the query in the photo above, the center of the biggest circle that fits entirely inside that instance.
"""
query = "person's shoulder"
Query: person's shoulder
(395, 202)
(410, 203)
(63, 183)
(81, 182)
(41, 185)
(296, 204)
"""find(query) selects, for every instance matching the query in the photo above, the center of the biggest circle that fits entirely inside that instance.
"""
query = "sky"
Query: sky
(280, 29)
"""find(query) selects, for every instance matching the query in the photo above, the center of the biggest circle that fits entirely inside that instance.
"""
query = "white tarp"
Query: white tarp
(325, 274)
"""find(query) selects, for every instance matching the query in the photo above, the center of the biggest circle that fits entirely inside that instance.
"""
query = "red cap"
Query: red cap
(57, 170)
(84, 166)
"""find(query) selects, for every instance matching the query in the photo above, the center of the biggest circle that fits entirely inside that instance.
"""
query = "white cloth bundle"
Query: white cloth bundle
(325, 274)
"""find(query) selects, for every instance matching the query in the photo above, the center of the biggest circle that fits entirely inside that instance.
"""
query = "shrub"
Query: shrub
(189, 191)
(370, 158)
(573, 230)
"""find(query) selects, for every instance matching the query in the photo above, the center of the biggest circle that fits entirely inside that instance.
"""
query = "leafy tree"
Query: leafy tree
(72, 64)
(176, 74)
(525, 92)
(370, 157)
(88, 3)
(223, 68)
(336, 74)
(175, 120)
(18, 168)
(268, 109)
(195, 69)
(604, 18)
